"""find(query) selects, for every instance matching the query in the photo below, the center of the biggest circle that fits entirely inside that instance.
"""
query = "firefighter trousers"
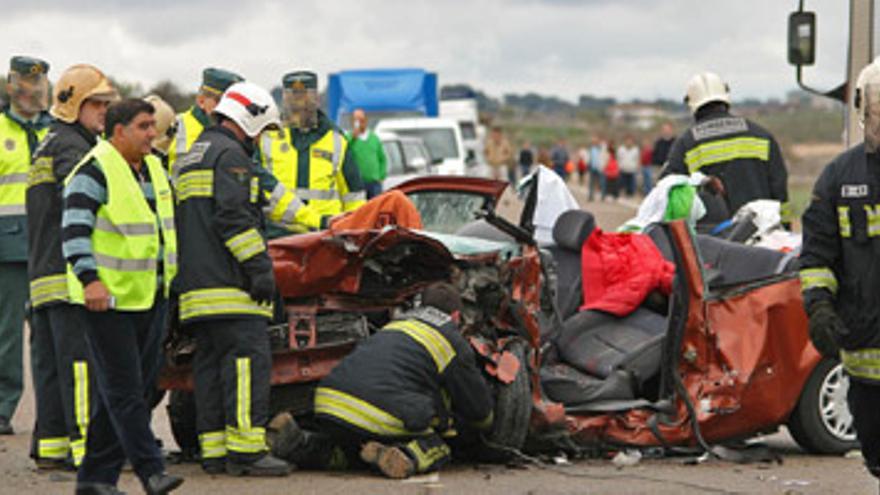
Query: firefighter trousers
(62, 380)
(231, 368)
(124, 350)
(863, 399)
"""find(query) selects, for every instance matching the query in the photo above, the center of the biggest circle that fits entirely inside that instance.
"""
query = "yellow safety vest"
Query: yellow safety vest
(188, 130)
(327, 189)
(15, 161)
(125, 240)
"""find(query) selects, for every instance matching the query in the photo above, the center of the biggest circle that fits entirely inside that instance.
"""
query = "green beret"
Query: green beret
(217, 80)
(28, 65)
(301, 79)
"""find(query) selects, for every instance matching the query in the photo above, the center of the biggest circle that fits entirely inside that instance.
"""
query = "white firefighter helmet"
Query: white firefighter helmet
(704, 88)
(249, 106)
(870, 74)
(77, 84)
(867, 104)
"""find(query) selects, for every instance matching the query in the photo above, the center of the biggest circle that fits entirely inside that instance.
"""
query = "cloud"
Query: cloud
(640, 48)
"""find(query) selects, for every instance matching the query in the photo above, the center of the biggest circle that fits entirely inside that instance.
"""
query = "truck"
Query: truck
(407, 92)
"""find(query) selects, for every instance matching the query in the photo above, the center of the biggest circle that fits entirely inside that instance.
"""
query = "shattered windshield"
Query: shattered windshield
(445, 211)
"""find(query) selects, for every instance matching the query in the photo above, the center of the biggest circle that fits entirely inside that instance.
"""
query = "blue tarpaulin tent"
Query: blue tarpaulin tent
(382, 90)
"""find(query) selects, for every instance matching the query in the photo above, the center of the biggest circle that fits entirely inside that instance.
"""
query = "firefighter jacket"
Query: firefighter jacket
(58, 153)
(219, 219)
(18, 141)
(189, 126)
(410, 378)
(840, 257)
(317, 165)
(743, 155)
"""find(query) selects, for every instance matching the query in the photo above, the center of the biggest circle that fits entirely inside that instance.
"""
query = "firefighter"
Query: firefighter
(839, 269)
(311, 155)
(22, 124)
(733, 151)
(166, 126)
(191, 123)
(227, 285)
(118, 237)
(395, 399)
(62, 379)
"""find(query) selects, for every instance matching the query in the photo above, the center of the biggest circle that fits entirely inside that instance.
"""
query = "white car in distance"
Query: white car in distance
(442, 138)
(406, 158)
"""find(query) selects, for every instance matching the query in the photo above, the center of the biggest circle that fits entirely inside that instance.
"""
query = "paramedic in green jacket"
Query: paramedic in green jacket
(366, 148)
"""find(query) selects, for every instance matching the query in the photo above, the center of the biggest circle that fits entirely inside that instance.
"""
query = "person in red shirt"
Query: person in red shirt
(612, 173)
(646, 162)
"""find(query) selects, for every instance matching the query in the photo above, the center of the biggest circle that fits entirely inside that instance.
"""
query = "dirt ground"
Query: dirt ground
(797, 474)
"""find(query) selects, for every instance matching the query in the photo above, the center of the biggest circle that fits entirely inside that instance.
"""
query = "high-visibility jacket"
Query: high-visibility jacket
(317, 165)
(18, 140)
(838, 260)
(58, 153)
(742, 154)
(126, 237)
(220, 215)
(410, 378)
(190, 125)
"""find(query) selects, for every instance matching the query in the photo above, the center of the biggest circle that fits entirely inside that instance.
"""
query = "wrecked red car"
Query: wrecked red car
(725, 356)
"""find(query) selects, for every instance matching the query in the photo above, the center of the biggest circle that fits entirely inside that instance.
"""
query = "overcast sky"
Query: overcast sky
(625, 49)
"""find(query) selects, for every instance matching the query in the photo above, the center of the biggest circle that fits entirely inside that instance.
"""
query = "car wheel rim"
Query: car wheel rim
(833, 409)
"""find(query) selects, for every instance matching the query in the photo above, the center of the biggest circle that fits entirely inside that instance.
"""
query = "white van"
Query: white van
(441, 136)
(465, 112)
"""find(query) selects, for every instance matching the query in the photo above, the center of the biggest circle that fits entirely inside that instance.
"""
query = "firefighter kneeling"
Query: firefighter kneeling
(397, 398)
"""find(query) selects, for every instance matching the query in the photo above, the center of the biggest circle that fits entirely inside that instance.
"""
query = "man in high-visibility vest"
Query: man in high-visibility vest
(120, 244)
(22, 124)
(191, 123)
(63, 384)
(311, 155)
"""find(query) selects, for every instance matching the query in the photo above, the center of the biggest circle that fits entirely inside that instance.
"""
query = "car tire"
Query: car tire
(182, 416)
(820, 422)
(513, 409)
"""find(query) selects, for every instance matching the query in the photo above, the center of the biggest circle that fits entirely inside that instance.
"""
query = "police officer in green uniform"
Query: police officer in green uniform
(22, 124)
(311, 156)
(191, 123)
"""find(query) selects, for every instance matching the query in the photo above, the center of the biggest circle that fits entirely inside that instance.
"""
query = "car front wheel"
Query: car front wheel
(821, 422)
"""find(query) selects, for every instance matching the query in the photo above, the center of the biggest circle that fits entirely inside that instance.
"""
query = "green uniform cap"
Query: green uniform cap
(301, 79)
(28, 65)
(217, 80)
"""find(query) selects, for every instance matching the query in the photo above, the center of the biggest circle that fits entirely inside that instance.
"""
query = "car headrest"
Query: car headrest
(572, 228)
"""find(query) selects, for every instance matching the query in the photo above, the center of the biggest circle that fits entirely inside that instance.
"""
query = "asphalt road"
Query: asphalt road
(797, 474)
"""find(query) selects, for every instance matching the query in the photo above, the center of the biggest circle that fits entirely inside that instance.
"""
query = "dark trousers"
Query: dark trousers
(864, 403)
(231, 370)
(373, 189)
(13, 296)
(611, 187)
(124, 349)
(628, 180)
(597, 183)
(65, 390)
(647, 179)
